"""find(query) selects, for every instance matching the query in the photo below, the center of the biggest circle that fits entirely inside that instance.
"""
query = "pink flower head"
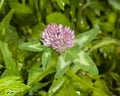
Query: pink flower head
(57, 37)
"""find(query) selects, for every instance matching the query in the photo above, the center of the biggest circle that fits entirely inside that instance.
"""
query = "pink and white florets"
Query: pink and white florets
(58, 37)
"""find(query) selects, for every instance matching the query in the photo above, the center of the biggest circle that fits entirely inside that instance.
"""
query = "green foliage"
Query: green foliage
(11, 66)
(12, 86)
(115, 3)
(62, 3)
(89, 68)
(46, 58)
(32, 46)
(5, 23)
(20, 9)
(84, 38)
(56, 19)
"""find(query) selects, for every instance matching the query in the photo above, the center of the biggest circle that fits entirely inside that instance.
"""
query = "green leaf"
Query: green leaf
(98, 92)
(58, 18)
(103, 43)
(12, 86)
(34, 46)
(62, 3)
(9, 61)
(1, 4)
(114, 75)
(86, 37)
(37, 88)
(37, 31)
(115, 4)
(5, 23)
(102, 85)
(46, 58)
(57, 85)
(1, 66)
(42, 3)
(63, 64)
(20, 9)
(36, 76)
(70, 85)
(85, 62)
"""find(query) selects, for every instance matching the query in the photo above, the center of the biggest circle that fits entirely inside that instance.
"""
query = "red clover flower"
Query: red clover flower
(58, 37)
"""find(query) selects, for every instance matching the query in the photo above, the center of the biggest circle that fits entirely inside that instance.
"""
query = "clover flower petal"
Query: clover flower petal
(58, 37)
